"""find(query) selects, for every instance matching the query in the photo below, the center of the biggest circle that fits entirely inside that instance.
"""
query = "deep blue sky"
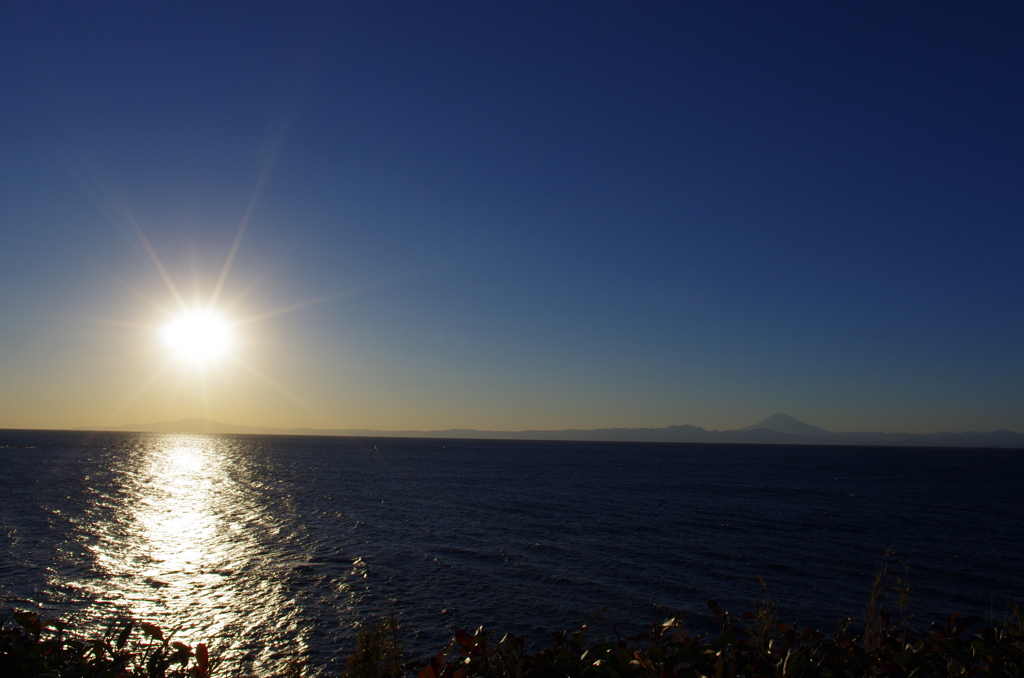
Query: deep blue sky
(542, 215)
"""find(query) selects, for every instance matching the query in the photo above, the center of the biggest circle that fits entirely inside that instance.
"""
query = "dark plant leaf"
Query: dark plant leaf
(716, 608)
(28, 621)
(152, 630)
(202, 660)
(122, 637)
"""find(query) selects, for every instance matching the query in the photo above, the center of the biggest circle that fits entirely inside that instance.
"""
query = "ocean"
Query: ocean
(269, 547)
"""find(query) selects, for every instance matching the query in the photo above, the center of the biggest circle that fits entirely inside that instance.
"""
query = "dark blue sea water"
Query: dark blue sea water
(269, 546)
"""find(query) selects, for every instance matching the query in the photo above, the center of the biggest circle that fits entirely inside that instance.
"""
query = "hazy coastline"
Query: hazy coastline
(779, 429)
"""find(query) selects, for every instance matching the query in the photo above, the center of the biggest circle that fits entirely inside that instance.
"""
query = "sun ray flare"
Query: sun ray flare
(277, 387)
(142, 388)
(247, 216)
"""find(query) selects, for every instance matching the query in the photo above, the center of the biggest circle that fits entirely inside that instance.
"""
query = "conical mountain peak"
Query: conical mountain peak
(783, 423)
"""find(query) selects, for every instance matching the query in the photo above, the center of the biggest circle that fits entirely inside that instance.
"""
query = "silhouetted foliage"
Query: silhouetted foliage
(35, 647)
(380, 652)
(752, 645)
(744, 647)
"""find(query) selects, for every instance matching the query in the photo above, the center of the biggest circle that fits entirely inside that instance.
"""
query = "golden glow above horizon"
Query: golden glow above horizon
(198, 337)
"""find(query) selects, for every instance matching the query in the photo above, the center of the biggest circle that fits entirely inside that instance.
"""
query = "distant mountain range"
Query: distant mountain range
(779, 429)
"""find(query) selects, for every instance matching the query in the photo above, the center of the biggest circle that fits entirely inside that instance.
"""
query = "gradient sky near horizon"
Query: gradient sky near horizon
(502, 215)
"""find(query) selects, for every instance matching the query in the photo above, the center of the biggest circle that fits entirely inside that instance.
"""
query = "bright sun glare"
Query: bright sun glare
(198, 336)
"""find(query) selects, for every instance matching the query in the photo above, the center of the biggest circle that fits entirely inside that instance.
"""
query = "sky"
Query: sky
(514, 215)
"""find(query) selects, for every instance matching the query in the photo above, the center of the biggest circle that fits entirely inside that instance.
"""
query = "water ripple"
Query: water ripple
(275, 547)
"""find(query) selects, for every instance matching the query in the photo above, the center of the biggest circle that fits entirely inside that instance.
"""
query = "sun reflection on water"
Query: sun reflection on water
(177, 520)
(186, 551)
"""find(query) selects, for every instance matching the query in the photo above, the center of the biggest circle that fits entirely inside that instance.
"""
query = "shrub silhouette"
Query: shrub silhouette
(752, 645)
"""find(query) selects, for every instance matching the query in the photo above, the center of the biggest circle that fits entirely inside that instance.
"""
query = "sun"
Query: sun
(198, 336)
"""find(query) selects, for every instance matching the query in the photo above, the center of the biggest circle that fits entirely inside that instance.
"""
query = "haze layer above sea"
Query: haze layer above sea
(778, 429)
